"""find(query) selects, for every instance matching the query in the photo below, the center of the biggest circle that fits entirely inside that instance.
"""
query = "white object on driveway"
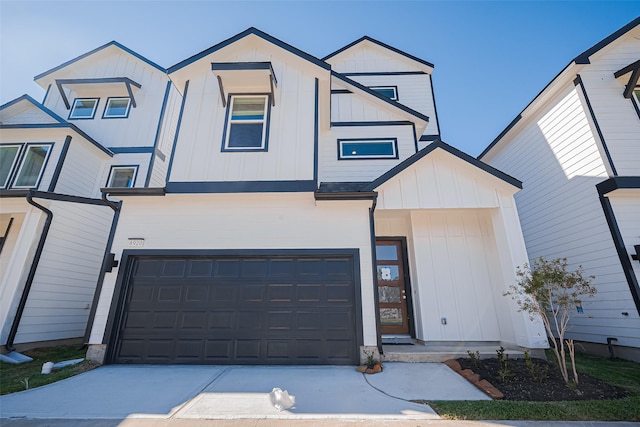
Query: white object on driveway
(281, 400)
(46, 368)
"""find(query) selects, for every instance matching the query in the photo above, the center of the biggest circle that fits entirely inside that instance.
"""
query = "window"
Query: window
(84, 108)
(246, 127)
(8, 159)
(122, 176)
(116, 108)
(22, 168)
(390, 92)
(374, 148)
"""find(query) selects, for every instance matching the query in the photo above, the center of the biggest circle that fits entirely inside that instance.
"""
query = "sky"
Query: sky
(491, 57)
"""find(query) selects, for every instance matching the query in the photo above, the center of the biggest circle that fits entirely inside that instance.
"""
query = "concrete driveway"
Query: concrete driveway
(234, 392)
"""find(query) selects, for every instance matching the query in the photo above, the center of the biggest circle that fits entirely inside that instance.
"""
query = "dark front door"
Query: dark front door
(392, 293)
(239, 310)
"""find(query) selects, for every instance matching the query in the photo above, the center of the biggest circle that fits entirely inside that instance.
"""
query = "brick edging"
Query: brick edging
(475, 379)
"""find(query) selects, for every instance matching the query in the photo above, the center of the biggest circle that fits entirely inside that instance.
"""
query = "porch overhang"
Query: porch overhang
(245, 77)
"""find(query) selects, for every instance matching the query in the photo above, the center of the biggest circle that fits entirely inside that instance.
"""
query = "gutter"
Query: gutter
(32, 272)
(374, 261)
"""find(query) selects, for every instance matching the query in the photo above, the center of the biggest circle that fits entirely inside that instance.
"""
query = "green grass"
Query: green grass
(12, 377)
(618, 372)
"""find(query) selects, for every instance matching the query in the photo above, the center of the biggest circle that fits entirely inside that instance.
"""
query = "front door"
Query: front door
(391, 287)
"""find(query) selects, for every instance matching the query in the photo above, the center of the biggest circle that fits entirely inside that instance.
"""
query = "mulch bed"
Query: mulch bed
(521, 386)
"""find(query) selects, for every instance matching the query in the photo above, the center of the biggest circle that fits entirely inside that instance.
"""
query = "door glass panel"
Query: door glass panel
(386, 253)
(390, 317)
(389, 293)
(387, 273)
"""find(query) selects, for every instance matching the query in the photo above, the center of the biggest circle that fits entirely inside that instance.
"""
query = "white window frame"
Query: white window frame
(93, 112)
(105, 114)
(230, 121)
(394, 88)
(115, 168)
(22, 162)
(393, 141)
(16, 159)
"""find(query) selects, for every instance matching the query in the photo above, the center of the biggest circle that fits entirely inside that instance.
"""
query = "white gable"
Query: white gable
(24, 112)
(441, 180)
(367, 57)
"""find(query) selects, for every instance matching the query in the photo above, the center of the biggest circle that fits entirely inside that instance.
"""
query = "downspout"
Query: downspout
(374, 261)
(32, 272)
(107, 265)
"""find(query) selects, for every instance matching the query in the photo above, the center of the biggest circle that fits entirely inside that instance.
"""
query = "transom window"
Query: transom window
(373, 148)
(246, 126)
(117, 108)
(21, 165)
(84, 108)
(390, 92)
(122, 176)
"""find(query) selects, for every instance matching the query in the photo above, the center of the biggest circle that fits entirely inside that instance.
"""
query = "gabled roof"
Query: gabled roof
(27, 98)
(59, 122)
(249, 31)
(582, 59)
(383, 45)
(451, 150)
(377, 95)
(104, 46)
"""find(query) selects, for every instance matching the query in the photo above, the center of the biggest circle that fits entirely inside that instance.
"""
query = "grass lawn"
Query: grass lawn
(618, 372)
(15, 378)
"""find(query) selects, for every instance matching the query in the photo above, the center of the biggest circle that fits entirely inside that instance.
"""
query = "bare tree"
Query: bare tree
(552, 292)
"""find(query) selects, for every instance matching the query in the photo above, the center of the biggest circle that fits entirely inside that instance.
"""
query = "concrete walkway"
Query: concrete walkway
(121, 392)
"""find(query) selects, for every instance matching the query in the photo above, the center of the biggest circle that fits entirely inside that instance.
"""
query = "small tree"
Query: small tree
(553, 293)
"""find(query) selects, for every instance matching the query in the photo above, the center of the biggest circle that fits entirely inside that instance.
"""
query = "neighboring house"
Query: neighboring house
(309, 211)
(104, 122)
(576, 147)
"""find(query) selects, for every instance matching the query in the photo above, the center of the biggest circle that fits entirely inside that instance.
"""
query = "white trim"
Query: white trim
(230, 121)
(22, 163)
(13, 164)
(93, 111)
(106, 114)
(393, 88)
(124, 167)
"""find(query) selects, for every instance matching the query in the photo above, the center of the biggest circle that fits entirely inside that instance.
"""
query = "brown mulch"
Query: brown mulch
(521, 386)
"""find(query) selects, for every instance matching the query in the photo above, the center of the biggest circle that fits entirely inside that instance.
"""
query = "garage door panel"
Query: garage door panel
(240, 310)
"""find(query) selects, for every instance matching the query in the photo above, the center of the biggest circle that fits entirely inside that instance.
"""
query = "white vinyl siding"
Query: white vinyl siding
(347, 107)
(556, 156)
(618, 120)
(82, 170)
(63, 287)
(24, 113)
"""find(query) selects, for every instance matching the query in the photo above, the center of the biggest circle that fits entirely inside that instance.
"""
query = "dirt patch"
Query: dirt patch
(520, 385)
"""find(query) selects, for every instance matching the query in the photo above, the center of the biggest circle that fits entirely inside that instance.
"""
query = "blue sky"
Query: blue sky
(491, 58)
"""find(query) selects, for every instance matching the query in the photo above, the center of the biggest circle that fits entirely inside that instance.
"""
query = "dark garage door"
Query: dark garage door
(239, 310)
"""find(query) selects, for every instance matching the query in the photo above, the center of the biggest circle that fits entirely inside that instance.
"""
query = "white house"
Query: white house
(576, 147)
(104, 122)
(309, 210)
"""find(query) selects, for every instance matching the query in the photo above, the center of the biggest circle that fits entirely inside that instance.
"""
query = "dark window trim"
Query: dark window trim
(73, 109)
(156, 140)
(16, 161)
(18, 166)
(175, 137)
(394, 88)
(393, 141)
(227, 120)
(60, 165)
(135, 174)
(635, 101)
(3, 239)
(106, 108)
(121, 288)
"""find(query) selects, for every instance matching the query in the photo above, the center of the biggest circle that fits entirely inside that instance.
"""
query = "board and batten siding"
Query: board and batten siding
(555, 155)
(166, 138)
(616, 116)
(199, 156)
(414, 91)
(331, 169)
(139, 128)
(240, 221)
(63, 287)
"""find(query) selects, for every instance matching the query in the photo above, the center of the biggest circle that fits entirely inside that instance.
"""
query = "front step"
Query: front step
(422, 353)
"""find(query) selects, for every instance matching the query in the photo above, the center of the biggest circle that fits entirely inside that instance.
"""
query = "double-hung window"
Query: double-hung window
(21, 166)
(246, 125)
(122, 176)
(84, 108)
(117, 108)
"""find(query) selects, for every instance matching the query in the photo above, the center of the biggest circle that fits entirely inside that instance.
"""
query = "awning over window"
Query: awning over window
(124, 83)
(247, 77)
(633, 73)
